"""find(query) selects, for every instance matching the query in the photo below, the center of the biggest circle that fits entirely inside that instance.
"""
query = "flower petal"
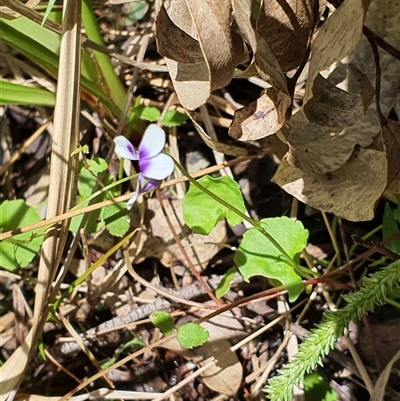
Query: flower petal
(132, 201)
(158, 167)
(123, 148)
(150, 185)
(152, 143)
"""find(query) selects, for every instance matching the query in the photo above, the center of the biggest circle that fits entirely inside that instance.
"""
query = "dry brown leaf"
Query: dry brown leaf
(160, 242)
(263, 57)
(317, 149)
(336, 39)
(174, 42)
(191, 80)
(288, 25)
(391, 141)
(206, 65)
(331, 106)
(350, 192)
(216, 39)
(226, 375)
(261, 118)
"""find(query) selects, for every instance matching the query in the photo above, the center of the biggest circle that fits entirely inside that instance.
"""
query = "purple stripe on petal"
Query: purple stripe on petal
(123, 148)
(158, 167)
(152, 143)
(150, 185)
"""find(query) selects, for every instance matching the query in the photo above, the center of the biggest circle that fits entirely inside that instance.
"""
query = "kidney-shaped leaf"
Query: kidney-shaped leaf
(201, 212)
(19, 250)
(257, 256)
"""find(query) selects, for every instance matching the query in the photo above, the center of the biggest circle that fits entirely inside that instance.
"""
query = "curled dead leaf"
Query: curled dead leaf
(288, 26)
(317, 149)
(336, 39)
(200, 57)
(261, 118)
(331, 106)
(350, 192)
(264, 60)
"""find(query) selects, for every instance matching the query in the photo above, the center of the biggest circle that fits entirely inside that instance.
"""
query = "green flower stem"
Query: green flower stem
(256, 224)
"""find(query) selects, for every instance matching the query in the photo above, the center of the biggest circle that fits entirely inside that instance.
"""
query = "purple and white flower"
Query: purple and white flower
(154, 165)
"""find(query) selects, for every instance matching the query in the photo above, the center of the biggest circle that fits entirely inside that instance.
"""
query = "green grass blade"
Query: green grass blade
(25, 95)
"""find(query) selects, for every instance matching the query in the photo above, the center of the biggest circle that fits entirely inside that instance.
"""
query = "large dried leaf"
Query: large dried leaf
(336, 39)
(211, 61)
(174, 42)
(350, 192)
(331, 106)
(391, 142)
(174, 31)
(317, 149)
(263, 57)
(261, 118)
(288, 25)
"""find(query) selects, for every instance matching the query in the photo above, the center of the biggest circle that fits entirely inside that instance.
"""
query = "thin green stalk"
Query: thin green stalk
(102, 190)
(115, 88)
(256, 224)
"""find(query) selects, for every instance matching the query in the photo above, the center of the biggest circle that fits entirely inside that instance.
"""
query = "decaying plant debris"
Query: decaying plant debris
(302, 95)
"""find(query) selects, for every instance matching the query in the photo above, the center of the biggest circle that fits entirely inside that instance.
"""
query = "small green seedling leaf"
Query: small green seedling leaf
(202, 213)
(86, 184)
(174, 118)
(81, 149)
(136, 10)
(97, 165)
(225, 284)
(116, 219)
(192, 335)
(19, 250)
(151, 114)
(390, 227)
(316, 388)
(163, 321)
(257, 256)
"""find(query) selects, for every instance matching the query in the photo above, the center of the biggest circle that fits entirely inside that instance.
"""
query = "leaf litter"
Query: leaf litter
(340, 158)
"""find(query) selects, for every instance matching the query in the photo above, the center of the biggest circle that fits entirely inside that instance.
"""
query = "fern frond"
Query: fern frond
(322, 339)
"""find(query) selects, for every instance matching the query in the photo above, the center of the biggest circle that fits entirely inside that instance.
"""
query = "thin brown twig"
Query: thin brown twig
(159, 291)
(185, 254)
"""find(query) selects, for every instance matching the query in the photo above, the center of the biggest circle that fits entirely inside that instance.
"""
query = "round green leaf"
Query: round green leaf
(163, 321)
(192, 335)
(202, 213)
(116, 219)
(19, 250)
(257, 256)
